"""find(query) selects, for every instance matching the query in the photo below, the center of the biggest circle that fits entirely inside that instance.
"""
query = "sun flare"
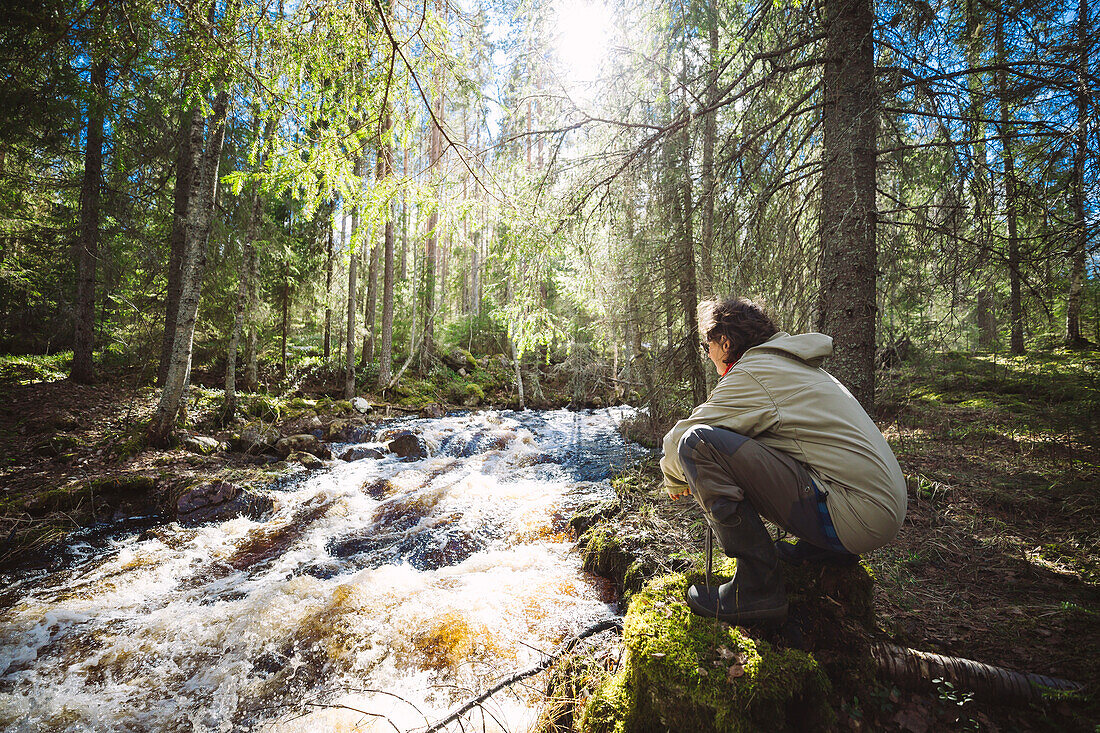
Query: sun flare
(583, 32)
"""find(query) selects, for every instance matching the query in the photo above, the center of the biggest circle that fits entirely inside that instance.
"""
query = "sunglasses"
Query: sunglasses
(705, 346)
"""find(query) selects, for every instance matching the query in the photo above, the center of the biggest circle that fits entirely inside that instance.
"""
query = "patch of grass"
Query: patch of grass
(28, 369)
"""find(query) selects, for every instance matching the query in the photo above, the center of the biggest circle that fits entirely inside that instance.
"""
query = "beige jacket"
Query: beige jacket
(778, 394)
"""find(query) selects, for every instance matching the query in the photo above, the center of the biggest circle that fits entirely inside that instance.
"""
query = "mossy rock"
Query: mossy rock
(92, 497)
(589, 516)
(129, 445)
(122, 484)
(473, 395)
(682, 672)
(342, 407)
(604, 555)
(262, 406)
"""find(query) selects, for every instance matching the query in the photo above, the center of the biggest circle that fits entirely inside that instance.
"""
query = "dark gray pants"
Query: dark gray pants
(724, 468)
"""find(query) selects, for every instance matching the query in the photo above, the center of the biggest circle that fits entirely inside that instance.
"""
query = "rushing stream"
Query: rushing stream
(395, 588)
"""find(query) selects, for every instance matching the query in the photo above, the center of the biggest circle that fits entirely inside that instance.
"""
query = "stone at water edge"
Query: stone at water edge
(193, 502)
(254, 506)
(258, 439)
(351, 430)
(361, 405)
(303, 442)
(203, 444)
(206, 494)
(433, 411)
(308, 460)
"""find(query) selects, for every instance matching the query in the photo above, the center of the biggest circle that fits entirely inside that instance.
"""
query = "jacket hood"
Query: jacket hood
(812, 347)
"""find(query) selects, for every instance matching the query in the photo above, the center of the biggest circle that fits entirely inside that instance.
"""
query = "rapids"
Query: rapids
(396, 589)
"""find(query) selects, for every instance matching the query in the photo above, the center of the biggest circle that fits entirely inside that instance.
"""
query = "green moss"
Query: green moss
(587, 517)
(687, 673)
(604, 555)
(262, 406)
(610, 709)
(300, 403)
(129, 445)
(122, 484)
(634, 577)
(836, 611)
(471, 362)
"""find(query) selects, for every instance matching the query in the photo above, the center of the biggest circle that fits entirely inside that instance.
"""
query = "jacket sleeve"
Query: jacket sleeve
(739, 403)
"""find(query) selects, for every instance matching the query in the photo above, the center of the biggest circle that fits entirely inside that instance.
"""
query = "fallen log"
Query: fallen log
(913, 669)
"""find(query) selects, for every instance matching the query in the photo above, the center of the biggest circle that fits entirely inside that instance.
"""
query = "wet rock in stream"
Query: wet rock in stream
(265, 543)
(408, 446)
(379, 489)
(464, 445)
(359, 454)
(435, 546)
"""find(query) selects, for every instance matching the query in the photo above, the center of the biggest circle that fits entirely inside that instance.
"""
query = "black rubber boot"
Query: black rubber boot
(804, 553)
(756, 594)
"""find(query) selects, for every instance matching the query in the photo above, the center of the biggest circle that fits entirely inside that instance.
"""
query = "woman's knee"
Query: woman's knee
(721, 439)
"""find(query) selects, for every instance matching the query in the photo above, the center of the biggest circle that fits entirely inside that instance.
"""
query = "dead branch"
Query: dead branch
(611, 623)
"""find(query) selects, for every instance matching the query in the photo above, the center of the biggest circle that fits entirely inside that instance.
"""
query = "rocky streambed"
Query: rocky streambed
(438, 556)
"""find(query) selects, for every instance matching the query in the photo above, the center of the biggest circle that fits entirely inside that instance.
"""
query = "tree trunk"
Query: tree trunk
(176, 241)
(980, 192)
(328, 289)
(435, 152)
(286, 313)
(200, 213)
(405, 219)
(252, 357)
(245, 284)
(87, 246)
(1074, 338)
(987, 324)
(385, 366)
(846, 305)
(1007, 133)
(353, 256)
(710, 121)
(372, 297)
(689, 298)
(475, 275)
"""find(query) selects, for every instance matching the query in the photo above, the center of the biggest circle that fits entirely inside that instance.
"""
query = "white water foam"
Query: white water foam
(379, 595)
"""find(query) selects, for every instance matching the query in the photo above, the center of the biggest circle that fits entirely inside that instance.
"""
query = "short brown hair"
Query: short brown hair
(740, 320)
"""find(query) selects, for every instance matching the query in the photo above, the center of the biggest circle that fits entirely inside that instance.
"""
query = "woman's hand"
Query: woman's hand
(675, 493)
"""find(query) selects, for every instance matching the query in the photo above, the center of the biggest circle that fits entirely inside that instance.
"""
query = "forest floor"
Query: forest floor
(999, 556)
(998, 559)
